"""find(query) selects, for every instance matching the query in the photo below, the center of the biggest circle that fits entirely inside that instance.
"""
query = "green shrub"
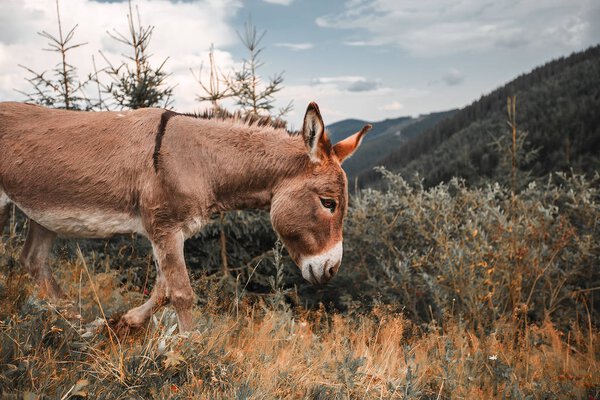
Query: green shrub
(477, 253)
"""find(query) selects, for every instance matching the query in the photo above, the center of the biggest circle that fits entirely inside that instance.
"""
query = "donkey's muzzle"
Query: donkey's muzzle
(319, 269)
(320, 278)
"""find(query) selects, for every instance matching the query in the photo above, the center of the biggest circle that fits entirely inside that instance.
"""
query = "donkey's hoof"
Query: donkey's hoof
(120, 326)
(133, 319)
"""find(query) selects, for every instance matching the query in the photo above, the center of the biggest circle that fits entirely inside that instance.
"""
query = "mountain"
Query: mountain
(558, 128)
(342, 129)
(383, 138)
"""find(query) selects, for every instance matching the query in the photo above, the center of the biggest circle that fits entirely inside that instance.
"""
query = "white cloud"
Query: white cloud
(296, 46)
(336, 79)
(183, 32)
(357, 43)
(337, 103)
(365, 85)
(350, 83)
(436, 27)
(393, 106)
(280, 2)
(453, 77)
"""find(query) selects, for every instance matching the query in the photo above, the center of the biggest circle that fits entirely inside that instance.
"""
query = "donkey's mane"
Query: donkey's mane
(219, 114)
(247, 119)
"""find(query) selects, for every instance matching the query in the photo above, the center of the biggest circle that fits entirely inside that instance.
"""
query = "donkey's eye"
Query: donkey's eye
(329, 204)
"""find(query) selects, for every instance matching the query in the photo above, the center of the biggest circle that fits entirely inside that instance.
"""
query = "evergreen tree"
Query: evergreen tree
(60, 87)
(251, 93)
(135, 83)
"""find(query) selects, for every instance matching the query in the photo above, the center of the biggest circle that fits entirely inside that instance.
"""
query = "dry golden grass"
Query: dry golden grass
(259, 350)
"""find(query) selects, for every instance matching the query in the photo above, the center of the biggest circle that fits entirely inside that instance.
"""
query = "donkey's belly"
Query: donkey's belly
(86, 223)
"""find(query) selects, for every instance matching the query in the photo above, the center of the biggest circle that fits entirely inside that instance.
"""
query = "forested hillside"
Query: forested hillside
(558, 121)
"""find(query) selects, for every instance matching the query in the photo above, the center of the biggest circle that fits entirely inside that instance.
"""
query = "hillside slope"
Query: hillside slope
(385, 137)
(557, 110)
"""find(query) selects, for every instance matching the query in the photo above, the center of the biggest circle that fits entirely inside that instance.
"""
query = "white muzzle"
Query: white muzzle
(320, 268)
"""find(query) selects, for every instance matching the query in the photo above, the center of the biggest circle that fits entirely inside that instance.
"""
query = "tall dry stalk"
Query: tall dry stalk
(223, 242)
(511, 107)
(517, 280)
(213, 89)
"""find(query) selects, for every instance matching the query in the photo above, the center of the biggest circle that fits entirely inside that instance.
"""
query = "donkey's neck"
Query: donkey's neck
(253, 163)
(244, 165)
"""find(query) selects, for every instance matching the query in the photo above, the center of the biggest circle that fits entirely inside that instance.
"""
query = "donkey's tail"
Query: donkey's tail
(4, 200)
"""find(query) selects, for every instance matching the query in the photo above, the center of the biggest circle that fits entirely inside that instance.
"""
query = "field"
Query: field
(448, 292)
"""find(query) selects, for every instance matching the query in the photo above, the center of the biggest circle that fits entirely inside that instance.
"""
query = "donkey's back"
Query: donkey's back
(76, 139)
(76, 173)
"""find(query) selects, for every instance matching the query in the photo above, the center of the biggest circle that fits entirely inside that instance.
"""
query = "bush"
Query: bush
(478, 253)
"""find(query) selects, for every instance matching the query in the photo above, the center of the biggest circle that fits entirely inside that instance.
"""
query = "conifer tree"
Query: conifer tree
(59, 87)
(251, 93)
(135, 83)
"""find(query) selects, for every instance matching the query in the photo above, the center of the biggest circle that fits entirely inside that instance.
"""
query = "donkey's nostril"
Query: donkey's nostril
(331, 272)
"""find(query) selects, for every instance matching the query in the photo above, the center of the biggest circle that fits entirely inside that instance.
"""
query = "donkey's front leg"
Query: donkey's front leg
(168, 250)
(172, 284)
(137, 316)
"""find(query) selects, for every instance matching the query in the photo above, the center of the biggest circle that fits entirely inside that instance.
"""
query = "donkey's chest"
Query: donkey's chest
(192, 225)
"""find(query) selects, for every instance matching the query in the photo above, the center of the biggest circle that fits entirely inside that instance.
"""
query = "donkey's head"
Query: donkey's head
(308, 209)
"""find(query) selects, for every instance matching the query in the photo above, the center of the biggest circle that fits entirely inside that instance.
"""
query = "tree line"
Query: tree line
(137, 82)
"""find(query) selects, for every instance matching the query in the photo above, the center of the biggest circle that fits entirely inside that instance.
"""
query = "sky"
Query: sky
(359, 59)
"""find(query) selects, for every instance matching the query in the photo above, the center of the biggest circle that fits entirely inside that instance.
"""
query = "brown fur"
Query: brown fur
(162, 174)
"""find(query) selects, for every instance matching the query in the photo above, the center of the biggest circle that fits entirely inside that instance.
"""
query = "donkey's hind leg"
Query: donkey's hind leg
(35, 258)
(4, 211)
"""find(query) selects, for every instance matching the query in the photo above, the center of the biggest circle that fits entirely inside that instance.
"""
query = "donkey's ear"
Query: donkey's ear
(346, 147)
(313, 131)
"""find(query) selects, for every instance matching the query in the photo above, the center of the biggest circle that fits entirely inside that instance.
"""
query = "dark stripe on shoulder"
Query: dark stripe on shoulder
(162, 126)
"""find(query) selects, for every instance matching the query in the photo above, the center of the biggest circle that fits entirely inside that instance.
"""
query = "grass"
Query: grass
(267, 353)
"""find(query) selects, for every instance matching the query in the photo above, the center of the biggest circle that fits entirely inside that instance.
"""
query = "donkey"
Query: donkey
(162, 175)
